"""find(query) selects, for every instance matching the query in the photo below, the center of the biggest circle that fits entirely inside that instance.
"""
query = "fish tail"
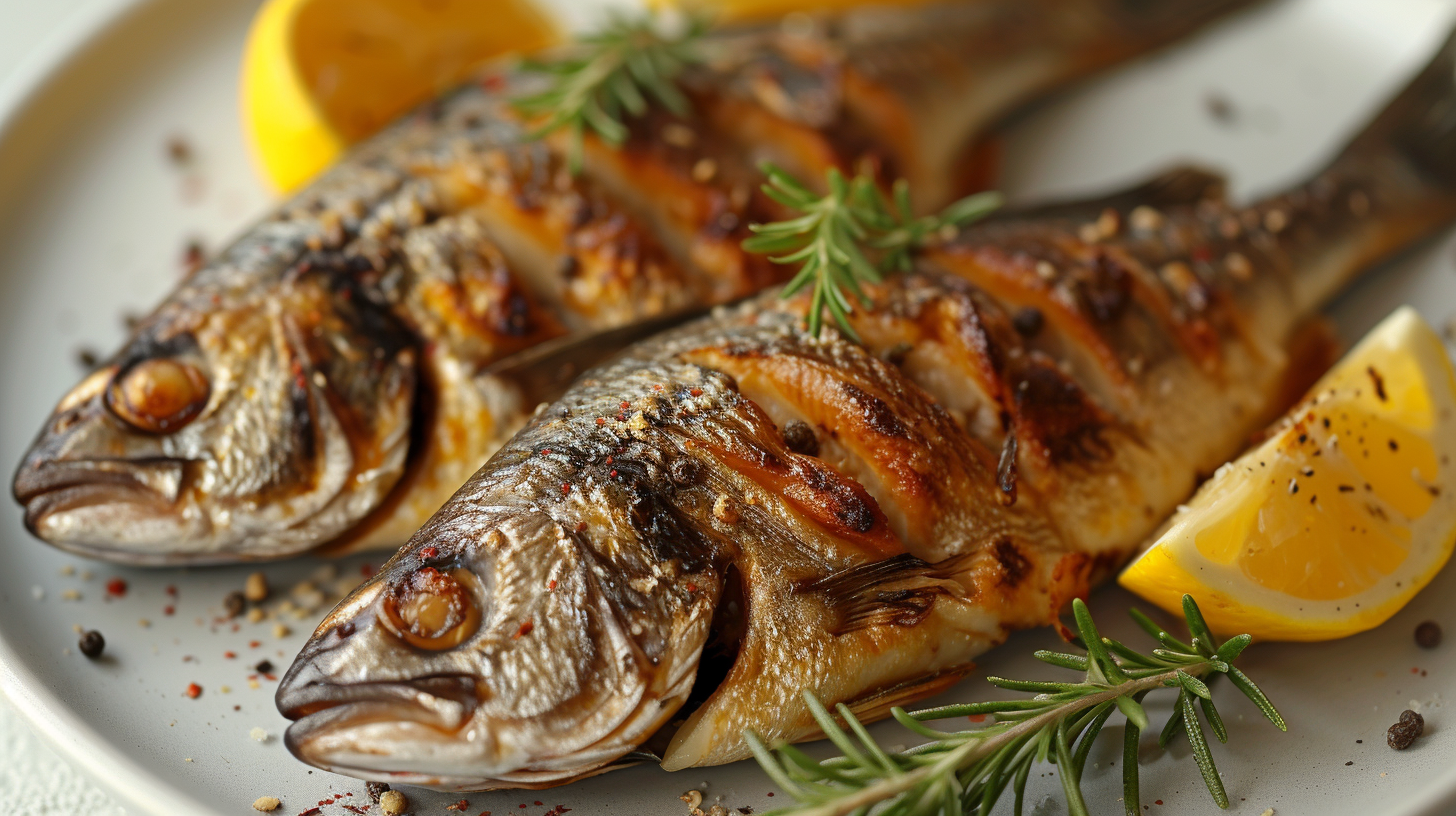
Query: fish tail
(1392, 185)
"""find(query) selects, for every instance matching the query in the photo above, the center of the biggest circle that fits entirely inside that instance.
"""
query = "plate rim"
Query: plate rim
(132, 785)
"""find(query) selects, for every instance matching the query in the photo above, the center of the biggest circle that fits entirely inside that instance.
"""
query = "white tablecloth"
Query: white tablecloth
(34, 780)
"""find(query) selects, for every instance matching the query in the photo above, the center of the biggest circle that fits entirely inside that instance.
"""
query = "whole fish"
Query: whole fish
(736, 511)
(321, 381)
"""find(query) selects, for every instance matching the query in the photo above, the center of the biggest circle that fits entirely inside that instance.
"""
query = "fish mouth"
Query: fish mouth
(341, 726)
(69, 501)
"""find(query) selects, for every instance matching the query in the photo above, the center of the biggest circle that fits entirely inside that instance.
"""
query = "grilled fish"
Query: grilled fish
(322, 381)
(857, 520)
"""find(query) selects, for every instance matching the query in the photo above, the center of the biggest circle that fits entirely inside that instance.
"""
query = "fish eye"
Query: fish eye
(434, 610)
(158, 395)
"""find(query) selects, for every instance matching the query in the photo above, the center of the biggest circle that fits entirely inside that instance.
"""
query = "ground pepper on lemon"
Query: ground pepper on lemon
(319, 75)
(1340, 517)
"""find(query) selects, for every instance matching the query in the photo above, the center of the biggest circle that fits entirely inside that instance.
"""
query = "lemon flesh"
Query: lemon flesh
(319, 75)
(1340, 517)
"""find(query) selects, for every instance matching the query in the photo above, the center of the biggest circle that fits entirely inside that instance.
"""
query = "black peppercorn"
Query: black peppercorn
(92, 643)
(1403, 733)
(1428, 635)
(800, 437)
(234, 604)
(264, 667)
(1028, 321)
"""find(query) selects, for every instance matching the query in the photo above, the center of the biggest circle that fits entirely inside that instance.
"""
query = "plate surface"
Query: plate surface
(94, 218)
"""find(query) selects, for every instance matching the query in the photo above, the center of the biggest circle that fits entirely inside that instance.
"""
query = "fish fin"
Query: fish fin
(896, 591)
(876, 704)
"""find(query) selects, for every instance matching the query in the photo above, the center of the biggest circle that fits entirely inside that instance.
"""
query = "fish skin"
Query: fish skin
(450, 242)
(874, 570)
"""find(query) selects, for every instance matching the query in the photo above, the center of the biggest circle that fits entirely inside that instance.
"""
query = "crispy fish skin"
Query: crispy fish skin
(319, 383)
(855, 519)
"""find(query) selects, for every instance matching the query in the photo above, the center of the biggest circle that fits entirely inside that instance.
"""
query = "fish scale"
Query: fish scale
(873, 572)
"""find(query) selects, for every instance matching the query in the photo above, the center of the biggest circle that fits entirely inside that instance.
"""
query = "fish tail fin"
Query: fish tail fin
(1393, 184)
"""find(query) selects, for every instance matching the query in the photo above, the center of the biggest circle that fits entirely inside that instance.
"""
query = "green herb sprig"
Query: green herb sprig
(967, 772)
(837, 233)
(611, 74)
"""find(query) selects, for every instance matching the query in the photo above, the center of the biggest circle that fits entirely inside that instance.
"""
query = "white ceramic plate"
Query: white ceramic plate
(93, 218)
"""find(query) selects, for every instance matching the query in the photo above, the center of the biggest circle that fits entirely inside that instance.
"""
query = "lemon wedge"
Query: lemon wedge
(1339, 518)
(319, 75)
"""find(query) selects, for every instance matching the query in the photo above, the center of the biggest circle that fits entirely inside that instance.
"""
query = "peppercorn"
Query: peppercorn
(800, 438)
(92, 643)
(1428, 635)
(1028, 321)
(264, 667)
(1403, 733)
(234, 604)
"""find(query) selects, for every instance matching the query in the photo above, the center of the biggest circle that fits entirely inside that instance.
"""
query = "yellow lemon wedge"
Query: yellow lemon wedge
(319, 75)
(1339, 518)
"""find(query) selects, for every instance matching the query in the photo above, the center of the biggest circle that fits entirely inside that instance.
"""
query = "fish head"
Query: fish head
(250, 425)
(492, 652)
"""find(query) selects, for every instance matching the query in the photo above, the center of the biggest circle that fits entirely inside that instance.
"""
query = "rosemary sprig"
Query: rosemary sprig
(836, 233)
(967, 772)
(610, 74)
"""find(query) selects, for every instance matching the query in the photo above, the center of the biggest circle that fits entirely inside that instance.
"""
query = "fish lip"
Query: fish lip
(44, 488)
(298, 701)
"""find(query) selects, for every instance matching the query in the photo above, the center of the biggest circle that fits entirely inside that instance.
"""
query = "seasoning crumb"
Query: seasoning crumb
(1267, 812)
(692, 799)
(67, 570)
(258, 735)
(193, 691)
(281, 631)
(375, 789)
(256, 615)
(255, 588)
(144, 623)
(266, 804)
(393, 803)
(92, 644)
(71, 595)
(1428, 634)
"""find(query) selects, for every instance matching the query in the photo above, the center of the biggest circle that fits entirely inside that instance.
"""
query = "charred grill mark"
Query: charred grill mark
(876, 414)
(1057, 415)
(1006, 469)
(1015, 566)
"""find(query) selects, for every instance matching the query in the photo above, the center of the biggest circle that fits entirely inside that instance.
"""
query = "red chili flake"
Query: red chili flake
(253, 644)
(770, 793)
(429, 552)
(625, 406)
(609, 459)
(614, 473)
(458, 806)
(494, 82)
(116, 586)
(538, 803)
(551, 584)
(976, 718)
(1203, 254)
(697, 392)
(581, 526)
(601, 420)
(1415, 669)
(229, 655)
(169, 610)
(545, 451)
(566, 488)
(525, 629)
(313, 811)
(171, 590)
(194, 691)
(356, 809)
(1157, 801)
(692, 587)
